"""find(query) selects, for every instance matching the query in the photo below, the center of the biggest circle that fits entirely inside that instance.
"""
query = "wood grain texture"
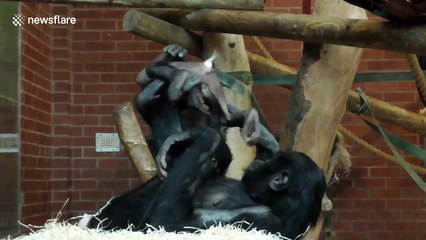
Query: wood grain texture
(134, 141)
(389, 113)
(321, 29)
(161, 31)
(319, 97)
(262, 65)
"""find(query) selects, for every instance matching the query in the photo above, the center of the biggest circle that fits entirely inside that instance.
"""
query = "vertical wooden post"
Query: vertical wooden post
(319, 97)
(232, 58)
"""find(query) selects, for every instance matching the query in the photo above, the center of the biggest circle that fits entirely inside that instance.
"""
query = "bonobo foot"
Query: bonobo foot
(251, 128)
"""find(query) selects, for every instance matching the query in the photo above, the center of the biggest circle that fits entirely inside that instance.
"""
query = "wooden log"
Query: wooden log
(334, 30)
(389, 113)
(192, 4)
(148, 23)
(134, 141)
(161, 31)
(320, 95)
(261, 65)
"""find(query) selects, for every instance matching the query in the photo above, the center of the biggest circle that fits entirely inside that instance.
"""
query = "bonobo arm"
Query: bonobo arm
(143, 100)
(159, 113)
(172, 203)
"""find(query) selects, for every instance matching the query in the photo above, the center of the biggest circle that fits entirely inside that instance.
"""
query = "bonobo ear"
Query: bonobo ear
(280, 181)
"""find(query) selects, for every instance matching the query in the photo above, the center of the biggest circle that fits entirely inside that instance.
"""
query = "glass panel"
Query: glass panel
(9, 151)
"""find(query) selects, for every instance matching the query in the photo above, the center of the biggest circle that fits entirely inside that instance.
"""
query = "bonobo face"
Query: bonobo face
(265, 181)
(286, 175)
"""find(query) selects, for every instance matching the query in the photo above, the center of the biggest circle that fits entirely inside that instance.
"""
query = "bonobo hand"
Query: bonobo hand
(161, 158)
(150, 92)
(251, 128)
(175, 51)
(170, 53)
(195, 100)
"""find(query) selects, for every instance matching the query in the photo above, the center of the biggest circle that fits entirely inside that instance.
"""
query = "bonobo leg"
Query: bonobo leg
(125, 210)
(161, 115)
(172, 203)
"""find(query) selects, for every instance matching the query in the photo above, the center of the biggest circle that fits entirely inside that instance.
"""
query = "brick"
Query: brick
(96, 195)
(369, 204)
(84, 206)
(98, 88)
(367, 226)
(380, 215)
(117, 36)
(399, 226)
(343, 215)
(113, 163)
(114, 184)
(132, 46)
(116, 56)
(370, 182)
(83, 184)
(400, 183)
(100, 24)
(403, 203)
(386, 172)
(385, 235)
(83, 163)
(86, 36)
(386, 193)
(99, 46)
(97, 174)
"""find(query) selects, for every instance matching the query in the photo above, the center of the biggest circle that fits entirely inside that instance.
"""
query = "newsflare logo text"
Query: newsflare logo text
(19, 19)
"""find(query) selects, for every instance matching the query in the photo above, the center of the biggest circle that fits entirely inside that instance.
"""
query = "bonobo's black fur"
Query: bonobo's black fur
(298, 204)
(168, 118)
(280, 195)
(196, 159)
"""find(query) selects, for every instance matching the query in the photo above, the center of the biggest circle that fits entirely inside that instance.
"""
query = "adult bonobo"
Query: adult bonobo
(279, 195)
(178, 96)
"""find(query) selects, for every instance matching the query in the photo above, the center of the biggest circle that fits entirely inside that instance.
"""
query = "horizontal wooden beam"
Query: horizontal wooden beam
(161, 31)
(191, 4)
(308, 28)
(165, 33)
(261, 65)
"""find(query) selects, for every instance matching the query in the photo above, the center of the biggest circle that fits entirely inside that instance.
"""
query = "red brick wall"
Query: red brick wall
(91, 67)
(36, 116)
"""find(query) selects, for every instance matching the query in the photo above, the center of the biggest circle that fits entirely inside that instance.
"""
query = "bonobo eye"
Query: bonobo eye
(279, 182)
(215, 162)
